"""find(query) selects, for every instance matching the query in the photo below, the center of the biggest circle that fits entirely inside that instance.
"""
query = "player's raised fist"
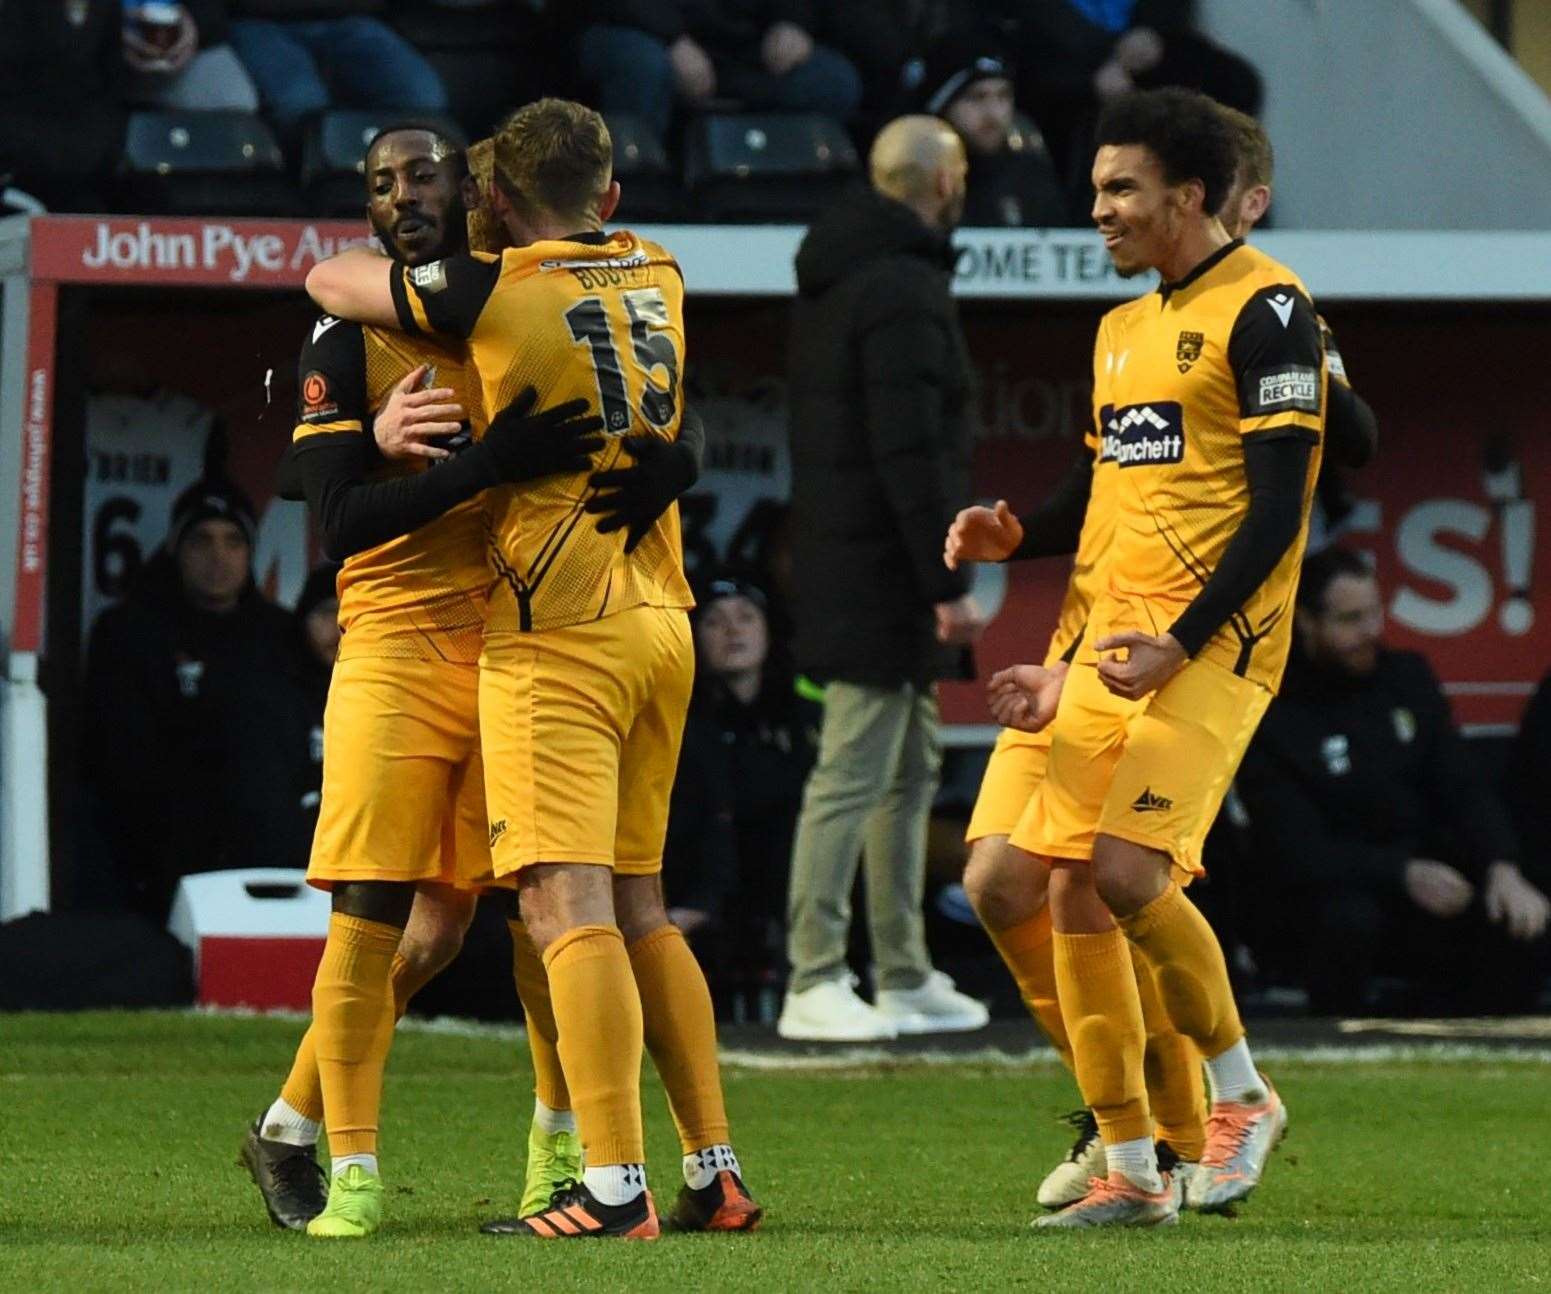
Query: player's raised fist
(982, 534)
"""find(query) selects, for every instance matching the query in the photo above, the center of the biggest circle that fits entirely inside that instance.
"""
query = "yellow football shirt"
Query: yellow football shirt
(599, 317)
(1183, 378)
(421, 596)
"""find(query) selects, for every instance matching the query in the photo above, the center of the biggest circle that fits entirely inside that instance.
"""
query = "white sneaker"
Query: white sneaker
(832, 1012)
(935, 1007)
(1070, 1180)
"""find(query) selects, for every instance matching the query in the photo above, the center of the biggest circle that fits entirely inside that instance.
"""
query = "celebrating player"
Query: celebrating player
(1213, 444)
(1009, 887)
(586, 671)
(402, 729)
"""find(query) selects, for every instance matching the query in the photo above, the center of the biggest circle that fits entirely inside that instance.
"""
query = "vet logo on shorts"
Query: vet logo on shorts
(1142, 435)
(318, 403)
(1292, 387)
(497, 830)
(431, 277)
(1188, 351)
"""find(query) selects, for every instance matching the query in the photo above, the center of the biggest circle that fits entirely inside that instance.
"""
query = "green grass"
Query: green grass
(118, 1135)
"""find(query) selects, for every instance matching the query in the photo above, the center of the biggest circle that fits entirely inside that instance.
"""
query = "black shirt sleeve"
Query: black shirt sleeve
(1053, 528)
(1351, 430)
(354, 514)
(444, 297)
(1277, 356)
(331, 378)
(1277, 470)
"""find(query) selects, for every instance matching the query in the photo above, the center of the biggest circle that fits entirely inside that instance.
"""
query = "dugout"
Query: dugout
(1443, 333)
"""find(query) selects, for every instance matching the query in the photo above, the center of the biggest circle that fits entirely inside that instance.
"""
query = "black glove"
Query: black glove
(526, 445)
(632, 498)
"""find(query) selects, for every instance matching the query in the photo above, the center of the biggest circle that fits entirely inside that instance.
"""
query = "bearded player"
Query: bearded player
(587, 666)
(412, 608)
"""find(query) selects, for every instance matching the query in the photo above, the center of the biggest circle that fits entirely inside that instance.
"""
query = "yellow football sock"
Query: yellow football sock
(680, 1026)
(1192, 975)
(302, 1091)
(598, 1018)
(1103, 1018)
(1029, 952)
(539, 1012)
(1176, 1092)
(352, 1028)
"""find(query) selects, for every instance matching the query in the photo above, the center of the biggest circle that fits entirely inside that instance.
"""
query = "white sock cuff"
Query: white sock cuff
(281, 1122)
(551, 1121)
(702, 1166)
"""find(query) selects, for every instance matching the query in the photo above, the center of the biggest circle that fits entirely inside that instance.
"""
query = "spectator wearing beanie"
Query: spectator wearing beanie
(969, 84)
(191, 745)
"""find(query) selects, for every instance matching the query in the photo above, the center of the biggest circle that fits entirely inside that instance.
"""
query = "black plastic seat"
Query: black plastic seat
(650, 189)
(192, 163)
(766, 166)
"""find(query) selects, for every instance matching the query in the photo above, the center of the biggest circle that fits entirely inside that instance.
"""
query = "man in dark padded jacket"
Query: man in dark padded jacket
(880, 426)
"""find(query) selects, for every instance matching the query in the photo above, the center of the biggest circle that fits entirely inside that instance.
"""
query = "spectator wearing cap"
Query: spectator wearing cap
(192, 749)
(749, 743)
(969, 84)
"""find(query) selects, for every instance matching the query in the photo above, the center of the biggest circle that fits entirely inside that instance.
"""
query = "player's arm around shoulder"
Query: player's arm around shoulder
(356, 285)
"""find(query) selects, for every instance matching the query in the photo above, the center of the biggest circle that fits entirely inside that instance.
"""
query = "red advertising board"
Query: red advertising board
(1448, 511)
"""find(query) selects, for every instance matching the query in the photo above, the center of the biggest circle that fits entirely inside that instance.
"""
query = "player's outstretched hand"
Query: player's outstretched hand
(982, 535)
(528, 445)
(411, 421)
(632, 498)
(1515, 904)
(1026, 696)
(1151, 661)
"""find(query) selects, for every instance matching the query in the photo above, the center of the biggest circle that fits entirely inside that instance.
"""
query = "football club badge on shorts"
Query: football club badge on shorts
(1188, 350)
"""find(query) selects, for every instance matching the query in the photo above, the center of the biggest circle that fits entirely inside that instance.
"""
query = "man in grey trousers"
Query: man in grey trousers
(880, 425)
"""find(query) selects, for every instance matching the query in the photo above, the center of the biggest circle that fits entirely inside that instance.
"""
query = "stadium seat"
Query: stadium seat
(650, 189)
(189, 163)
(334, 156)
(491, 56)
(766, 166)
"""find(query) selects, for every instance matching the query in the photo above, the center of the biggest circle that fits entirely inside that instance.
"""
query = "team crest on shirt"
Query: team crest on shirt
(1188, 349)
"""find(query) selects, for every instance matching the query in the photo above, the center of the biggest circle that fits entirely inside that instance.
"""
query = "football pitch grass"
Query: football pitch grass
(117, 1171)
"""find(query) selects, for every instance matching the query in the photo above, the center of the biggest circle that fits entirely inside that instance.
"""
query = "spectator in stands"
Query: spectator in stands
(1529, 780)
(969, 84)
(62, 77)
(749, 744)
(1077, 55)
(881, 411)
(185, 62)
(192, 748)
(317, 623)
(309, 55)
(1383, 850)
(643, 55)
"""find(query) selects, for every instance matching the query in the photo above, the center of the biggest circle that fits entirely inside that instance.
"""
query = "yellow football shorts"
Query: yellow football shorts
(1016, 769)
(581, 729)
(1153, 771)
(403, 784)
